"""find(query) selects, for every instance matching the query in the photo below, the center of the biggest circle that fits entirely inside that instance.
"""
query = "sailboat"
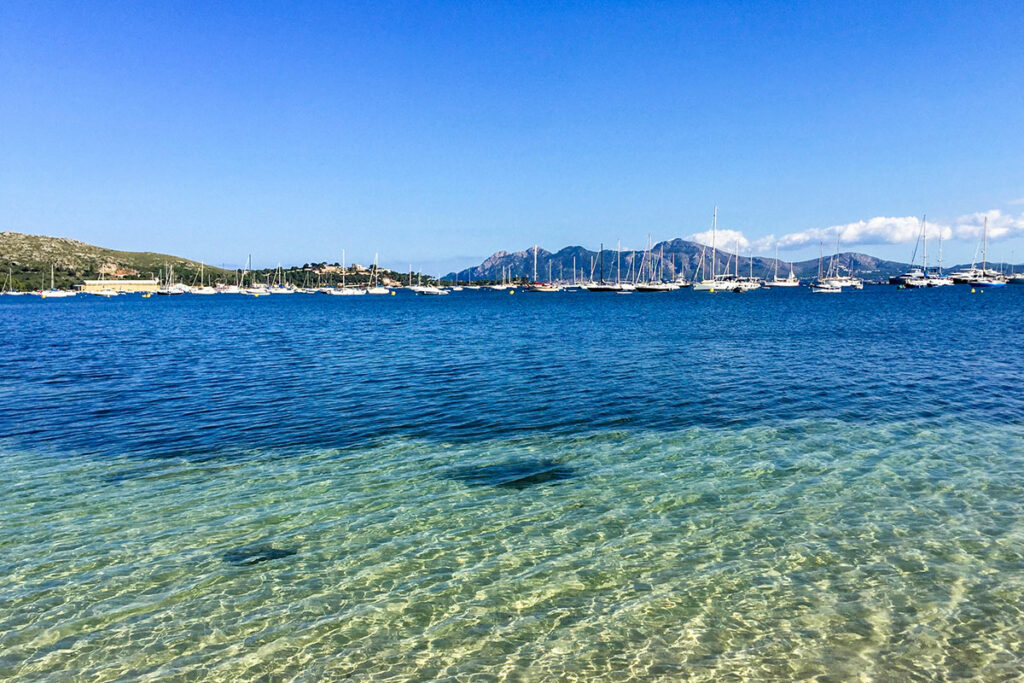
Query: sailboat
(279, 286)
(835, 275)
(936, 278)
(345, 290)
(988, 278)
(655, 281)
(203, 289)
(543, 287)
(791, 281)
(504, 284)
(717, 282)
(601, 285)
(375, 286)
(825, 285)
(53, 292)
(9, 289)
(469, 282)
(170, 288)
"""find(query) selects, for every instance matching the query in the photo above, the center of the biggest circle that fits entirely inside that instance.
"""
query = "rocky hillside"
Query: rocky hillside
(29, 258)
(680, 257)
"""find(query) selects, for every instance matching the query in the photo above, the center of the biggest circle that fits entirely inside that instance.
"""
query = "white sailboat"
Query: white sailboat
(9, 289)
(541, 287)
(988, 278)
(345, 290)
(936, 278)
(203, 289)
(504, 284)
(835, 276)
(824, 285)
(791, 281)
(716, 282)
(375, 286)
(53, 292)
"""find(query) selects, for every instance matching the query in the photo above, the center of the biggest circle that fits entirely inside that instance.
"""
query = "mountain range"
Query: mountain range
(670, 258)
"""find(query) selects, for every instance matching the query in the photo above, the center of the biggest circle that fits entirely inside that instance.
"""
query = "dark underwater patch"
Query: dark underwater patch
(256, 554)
(517, 474)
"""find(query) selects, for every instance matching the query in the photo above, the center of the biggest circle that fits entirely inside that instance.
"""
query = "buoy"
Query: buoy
(972, 290)
(511, 291)
(392, 293)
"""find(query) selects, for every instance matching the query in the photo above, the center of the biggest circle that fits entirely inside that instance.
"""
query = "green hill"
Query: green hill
(30, 257)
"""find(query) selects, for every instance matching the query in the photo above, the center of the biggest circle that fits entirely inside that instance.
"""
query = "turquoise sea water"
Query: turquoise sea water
(767, 486)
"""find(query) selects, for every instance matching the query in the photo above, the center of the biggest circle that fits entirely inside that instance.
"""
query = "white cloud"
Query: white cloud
(878, 230)
(1000, 225)
(1016, 202)
(733, 241)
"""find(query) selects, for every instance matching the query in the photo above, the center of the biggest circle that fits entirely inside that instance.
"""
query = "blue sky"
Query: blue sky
(438, 133)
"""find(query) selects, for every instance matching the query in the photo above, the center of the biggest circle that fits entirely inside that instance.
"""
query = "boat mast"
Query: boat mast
(940, 252)
(618, 262)
(924, 241)
(984, 249)
(535, 263)
(714, 253)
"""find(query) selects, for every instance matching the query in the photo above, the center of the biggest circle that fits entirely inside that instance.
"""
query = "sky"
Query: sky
(434, 134)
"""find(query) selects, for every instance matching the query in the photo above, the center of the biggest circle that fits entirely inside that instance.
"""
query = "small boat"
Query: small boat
(826, 287)
(429, 290)
(656, 287)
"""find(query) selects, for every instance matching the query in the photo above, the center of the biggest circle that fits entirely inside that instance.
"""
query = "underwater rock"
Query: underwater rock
(257, 553)
(518, 474)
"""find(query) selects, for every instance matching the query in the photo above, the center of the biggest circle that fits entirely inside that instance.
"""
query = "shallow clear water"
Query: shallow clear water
(772, 486)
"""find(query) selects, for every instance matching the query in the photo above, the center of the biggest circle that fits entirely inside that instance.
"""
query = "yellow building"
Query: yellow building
(119, 285)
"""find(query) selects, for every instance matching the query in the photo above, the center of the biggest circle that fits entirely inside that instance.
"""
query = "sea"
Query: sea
(767, 486)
